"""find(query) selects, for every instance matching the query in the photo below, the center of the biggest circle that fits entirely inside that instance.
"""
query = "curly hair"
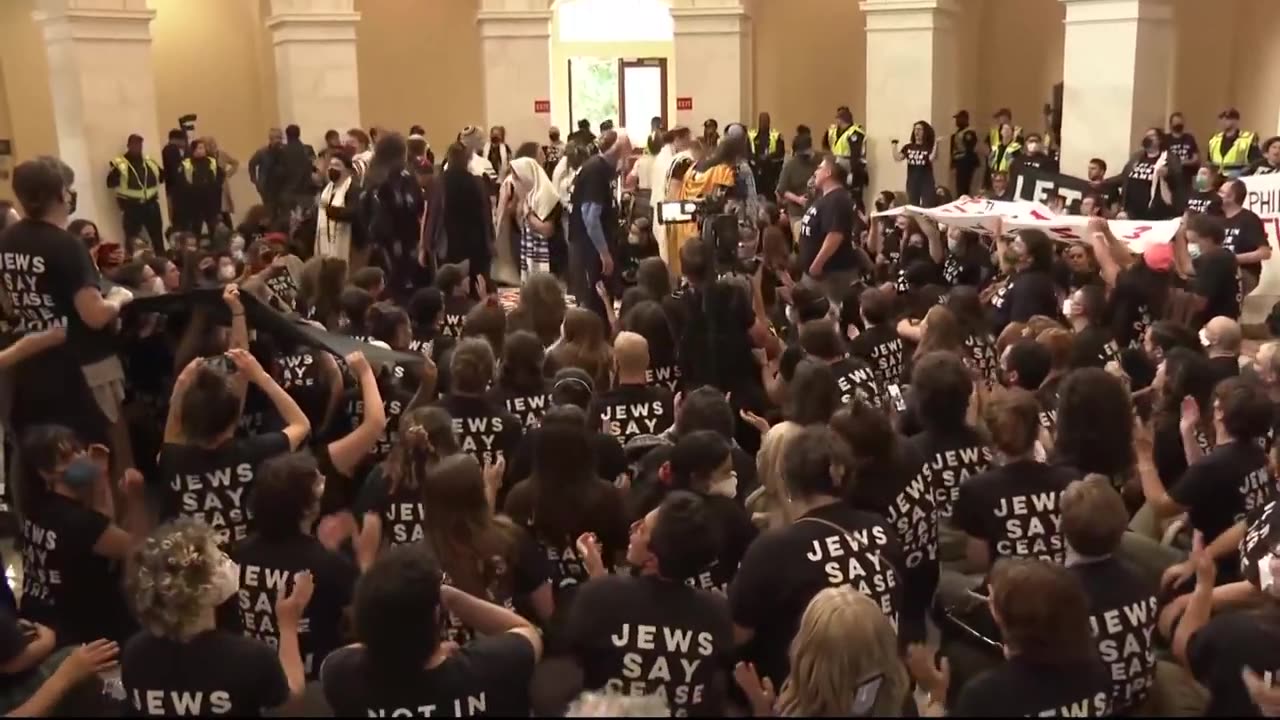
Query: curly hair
(1095, 424)
(171, 577)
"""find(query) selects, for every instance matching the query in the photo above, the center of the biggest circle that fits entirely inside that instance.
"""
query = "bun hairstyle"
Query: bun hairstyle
(426, 436)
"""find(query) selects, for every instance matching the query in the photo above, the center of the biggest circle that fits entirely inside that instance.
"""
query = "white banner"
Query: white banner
(1263, 197)
(1137, 234)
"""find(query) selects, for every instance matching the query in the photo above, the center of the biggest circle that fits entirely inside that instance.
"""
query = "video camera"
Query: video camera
(719, 228)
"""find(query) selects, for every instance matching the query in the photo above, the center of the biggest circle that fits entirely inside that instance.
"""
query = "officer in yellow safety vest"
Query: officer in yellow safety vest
(200, 199)
(847, 141)
(1233, 149)
(1003, 116)
(1004, 150)
(767, 151)
(136, 179)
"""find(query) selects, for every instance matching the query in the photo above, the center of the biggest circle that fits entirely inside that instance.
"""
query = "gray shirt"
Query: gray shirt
(795, 176)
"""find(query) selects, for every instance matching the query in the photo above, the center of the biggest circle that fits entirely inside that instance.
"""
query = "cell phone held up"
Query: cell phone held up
(221, 362)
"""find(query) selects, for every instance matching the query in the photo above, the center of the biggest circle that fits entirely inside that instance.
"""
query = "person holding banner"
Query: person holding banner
(1148, 183)
(1217, 271)
(1204, 196)
(1030, 290)
(1243, 234)
(1270, 161)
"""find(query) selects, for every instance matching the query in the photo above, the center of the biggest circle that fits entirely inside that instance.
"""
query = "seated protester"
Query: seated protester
(426, 316)
(484, 428)
(72, 548)
(1012, 510)
(1078, 267)
(541, 308)
(339, 460)
(1026, 364)
(402, 663)
(206, 472)
(648, 320)
(892, 480)
(968, 261)
(705, 408)
(1217, 279)
(830, 544)
(864, 664)
(1095, 430)
(573, 387)
(1184, 376)
(1221, 337)
(310, 375)
(702, 464)
(1122, 603)
(914, 256)
(454, 281)
(808, 303)
(584, 346)
(286, 506)
(483, 555)
(393, 489)
(372, 280)
(521, 386)
(1204, 198)
(965, 304)
(951, 449)
(1030, 289)
(1051, 660)
(385, 323)
(181, 663)
(611, 626)
(355, 304)
(1086, 313)
(1095, 205)
(855, 378)
(39, 682)
(879, 345)
(1141, 294)
(1059, 344)
(633, 407)
(1221, 487)
(487, 320)
(563, 498)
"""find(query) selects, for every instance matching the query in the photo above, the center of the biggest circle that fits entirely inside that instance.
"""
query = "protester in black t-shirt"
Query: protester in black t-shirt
(454, 283)
(393, 489)
(633, 407)
(1026, 364)
(1218, 489)
(36, 681)
(1204, 198)
(1095, 429)
(967, 261)
(829, 545)
(1243, 233)
(1086, 312)
(206, 473)
(53, 283)
(1217, 271)
(919, 154)
(521, 386)
(286, 505)
(1122, 603)
(181, 664)
(892, 480)
(402, 665)
(593, 221)
(1141, 294)
(658, 618)
(72, 548)
(484, 428)
(854, 377)
(1221, 338)
(826, 230)
(1012, 510)
(879, 345)
(650, 321)
(1033, 157)
(1183, 145)
(1030, 290)
(1151, 182)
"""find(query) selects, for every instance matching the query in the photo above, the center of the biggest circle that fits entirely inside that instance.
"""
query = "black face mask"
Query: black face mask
(335, 175)
(555, 138)
(1177, 128)
(1148, 144)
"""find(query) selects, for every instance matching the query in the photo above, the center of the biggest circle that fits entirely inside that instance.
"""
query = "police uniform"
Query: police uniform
(137, 188)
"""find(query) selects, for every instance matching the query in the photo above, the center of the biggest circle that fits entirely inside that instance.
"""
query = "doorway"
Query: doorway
(630, 92)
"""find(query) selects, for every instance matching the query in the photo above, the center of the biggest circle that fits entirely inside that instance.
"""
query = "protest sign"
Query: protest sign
(1040, 186)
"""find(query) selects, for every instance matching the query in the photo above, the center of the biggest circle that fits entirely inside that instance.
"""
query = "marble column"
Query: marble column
(713, 62)
(102, 83)
(1117, 58)
(911, 76)
(515, 48)
(317, 87)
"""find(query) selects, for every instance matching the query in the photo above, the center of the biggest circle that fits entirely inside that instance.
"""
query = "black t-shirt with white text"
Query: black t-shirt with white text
(1205, 202)
(646, 636)
(1015, 508)
(486, 678)
(830, 213)
(1244, 233)
(1220, 488)
(1222, 649)
(1028, 293)
(1122, 614)
(982, 358)
(214, 673)
(528, 407)
(1021, 688)
(1262, 534)
(485, 430)
(857, 379)
(455, 312)
(881, 348)
(401, 507)
(629, 411)
(1218, 282)
(954, 457)
(212, 484)
(1093, 347)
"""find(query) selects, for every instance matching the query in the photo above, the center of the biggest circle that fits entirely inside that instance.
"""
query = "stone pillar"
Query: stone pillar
(515, 49)
(317, 87)
(911, 76)
(1117, 57)
(103, 87)
(713, 62)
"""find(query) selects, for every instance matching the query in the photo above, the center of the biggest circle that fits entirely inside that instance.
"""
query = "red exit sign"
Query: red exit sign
(542, 106)
(685, 103)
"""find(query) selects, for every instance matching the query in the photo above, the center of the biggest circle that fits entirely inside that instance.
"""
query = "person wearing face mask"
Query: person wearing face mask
(669, 547)
(1030, 290)
(1183, 144)
(497, 152)
(1004, 151)
(633, 407)
(339, 202)
(181, 658)
(1221, 338)
(1000, 189)
(1033, 157)
(1150, 183)
(1086, 312)
(200, 190)
(66, 494)
(1204, 197)
(1270, 162)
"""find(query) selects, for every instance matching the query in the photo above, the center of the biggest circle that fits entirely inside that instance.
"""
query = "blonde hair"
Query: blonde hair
(171, 577)
(843, 641)
(770, 500)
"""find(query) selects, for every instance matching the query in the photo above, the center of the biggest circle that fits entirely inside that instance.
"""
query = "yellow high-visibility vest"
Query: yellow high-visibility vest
(188, 168)
(145, 190)
(1236, 156)
(993, 136)
(773, 140)
(1002, 159)
(841, 142)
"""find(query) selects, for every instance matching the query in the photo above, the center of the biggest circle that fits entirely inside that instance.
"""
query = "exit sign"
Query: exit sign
(684, 103)
(542, 106)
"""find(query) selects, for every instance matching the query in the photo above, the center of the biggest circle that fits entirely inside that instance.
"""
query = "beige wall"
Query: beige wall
(26, 84)
(1019, 51)
(419, 63)
(810, 58)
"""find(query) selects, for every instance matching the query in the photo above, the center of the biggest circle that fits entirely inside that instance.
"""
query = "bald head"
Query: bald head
(631, 352)
(1223, 335)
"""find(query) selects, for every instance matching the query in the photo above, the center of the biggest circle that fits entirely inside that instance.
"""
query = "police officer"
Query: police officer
(847, 141)
(993, 140)
(767, 150)
(136, 179)
(200, 200)
(1232, 150)
(964, 153)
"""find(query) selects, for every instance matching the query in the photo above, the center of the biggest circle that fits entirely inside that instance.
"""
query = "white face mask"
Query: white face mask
(226, 273)
(157, 286)
(226, 580)
(727, 487)
(1204, 338)
(237, 243)
(1193, 249)
(953, 245)
(1067, 308)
